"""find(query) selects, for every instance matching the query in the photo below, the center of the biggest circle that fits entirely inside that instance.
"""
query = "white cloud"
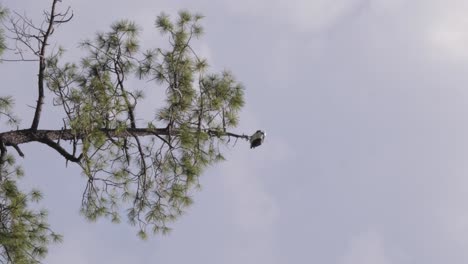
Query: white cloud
(383, 6)
(303, 15)
(254, 214)
(451, 210)
(366, 248)
(254, 209)
(447, 32)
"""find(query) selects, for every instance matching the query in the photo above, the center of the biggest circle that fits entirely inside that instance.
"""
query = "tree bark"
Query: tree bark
(17, 137)
(52, 137)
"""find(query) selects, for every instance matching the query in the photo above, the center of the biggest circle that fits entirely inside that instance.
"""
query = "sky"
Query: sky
(365, 107)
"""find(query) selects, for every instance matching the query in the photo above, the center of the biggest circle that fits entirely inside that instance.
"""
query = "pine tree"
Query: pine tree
(144, 172)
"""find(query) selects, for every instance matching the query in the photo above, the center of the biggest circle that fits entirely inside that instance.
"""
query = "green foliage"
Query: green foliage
(24, 232)
(147, 174)
(6, 110)
(149, 180)
(3, 14)
(6, 102)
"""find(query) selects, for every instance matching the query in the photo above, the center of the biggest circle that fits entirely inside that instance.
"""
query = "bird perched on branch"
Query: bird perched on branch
(257, 139)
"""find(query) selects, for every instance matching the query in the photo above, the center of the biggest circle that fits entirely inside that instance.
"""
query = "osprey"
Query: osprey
(257, 139)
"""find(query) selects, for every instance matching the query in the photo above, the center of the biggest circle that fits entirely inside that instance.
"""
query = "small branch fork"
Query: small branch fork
(35, 39)
(52, 19)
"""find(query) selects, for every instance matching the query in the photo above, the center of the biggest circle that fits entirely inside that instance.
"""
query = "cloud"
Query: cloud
(254, 214)
(366, 248)
(386, 6)
(254, 210)
(447, 32)
(303, 15)
(450, 212)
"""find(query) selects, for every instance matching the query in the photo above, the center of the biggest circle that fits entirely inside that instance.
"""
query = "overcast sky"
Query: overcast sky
(365, 104)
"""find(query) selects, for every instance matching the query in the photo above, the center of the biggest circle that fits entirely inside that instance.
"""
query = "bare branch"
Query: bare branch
(28, 135)
(59, 149)
(42, 67)
(18, 150)
(16, 60)
(3, 151)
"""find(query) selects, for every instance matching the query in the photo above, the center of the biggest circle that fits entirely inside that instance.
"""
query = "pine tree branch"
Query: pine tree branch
(17, 137)
(18, 150)
(42, 67)
(3, 152)
(59, 149)
(52, 137)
